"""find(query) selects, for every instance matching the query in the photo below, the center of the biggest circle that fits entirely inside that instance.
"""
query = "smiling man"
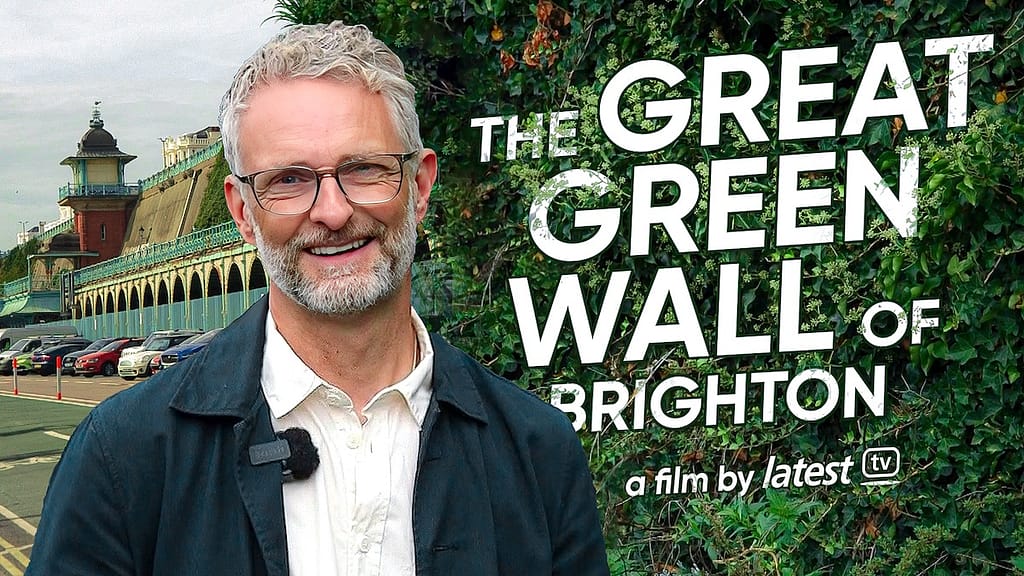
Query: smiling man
(400, 455)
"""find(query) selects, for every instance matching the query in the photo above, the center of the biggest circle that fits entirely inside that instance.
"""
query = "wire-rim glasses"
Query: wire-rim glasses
(290, 190)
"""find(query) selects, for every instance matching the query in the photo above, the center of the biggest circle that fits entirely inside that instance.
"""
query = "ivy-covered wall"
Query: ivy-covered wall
(214, 210)
(952, 401)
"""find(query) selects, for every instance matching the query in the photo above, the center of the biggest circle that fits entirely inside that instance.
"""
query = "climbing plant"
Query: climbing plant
(213, 209)
(14, 264)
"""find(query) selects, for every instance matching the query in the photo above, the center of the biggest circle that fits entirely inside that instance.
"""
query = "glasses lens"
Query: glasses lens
(373, 179)
(286, 190)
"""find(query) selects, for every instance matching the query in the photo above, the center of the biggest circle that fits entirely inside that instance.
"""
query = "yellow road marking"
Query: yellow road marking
(18, 521)
(10, 567)
(14, 551)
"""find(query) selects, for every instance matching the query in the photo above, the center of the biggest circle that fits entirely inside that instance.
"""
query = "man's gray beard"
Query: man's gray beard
(338, 292)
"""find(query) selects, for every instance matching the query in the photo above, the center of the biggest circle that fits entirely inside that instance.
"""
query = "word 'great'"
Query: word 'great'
(887, 60)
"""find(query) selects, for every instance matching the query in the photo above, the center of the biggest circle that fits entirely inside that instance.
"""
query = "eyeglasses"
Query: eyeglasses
(373, 179)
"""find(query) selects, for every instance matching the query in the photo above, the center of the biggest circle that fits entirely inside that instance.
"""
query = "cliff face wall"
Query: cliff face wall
(168, 209)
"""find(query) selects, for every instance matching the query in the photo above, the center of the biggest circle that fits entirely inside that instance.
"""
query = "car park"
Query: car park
(135, 363)
(104, 361)
(68, 365)
(44, 360)
(176, 354)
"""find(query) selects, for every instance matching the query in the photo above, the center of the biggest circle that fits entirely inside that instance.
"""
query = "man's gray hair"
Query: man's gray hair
(335, 50)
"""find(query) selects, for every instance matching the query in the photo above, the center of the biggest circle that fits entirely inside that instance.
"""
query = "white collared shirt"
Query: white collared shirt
(353, 516)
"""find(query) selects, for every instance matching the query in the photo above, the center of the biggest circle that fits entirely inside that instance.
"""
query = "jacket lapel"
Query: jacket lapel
(447, 491)
(260, 488)
(224, 382)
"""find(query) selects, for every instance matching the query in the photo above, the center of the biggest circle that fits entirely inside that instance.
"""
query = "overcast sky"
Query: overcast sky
(158, 67)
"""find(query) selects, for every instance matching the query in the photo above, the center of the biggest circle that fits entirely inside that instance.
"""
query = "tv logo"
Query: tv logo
(880, 466)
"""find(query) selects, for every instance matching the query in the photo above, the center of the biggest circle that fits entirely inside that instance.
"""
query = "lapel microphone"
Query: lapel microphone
(295, 451)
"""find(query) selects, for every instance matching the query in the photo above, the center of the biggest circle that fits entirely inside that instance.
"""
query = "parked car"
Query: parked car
(8, 335)
(156, 363)
(68, 366)
(44, 360)
(104, 361)
(136, 363)
(23, 361)
(176, 354)
(21, 347)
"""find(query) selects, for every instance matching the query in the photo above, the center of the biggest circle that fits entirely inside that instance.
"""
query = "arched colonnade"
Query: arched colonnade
(202, 292)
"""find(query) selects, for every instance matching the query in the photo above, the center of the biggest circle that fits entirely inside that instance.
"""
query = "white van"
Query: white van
(9, 336)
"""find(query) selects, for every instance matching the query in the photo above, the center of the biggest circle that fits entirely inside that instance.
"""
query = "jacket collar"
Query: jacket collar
(224, 379)
(454, 381)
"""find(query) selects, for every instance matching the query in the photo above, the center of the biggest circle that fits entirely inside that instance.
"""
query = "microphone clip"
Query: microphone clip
(294, 449)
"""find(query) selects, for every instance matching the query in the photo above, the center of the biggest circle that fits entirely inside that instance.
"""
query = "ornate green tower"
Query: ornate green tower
(98, 194)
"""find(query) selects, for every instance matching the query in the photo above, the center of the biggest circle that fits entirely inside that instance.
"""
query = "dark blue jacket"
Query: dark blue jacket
(157, 479)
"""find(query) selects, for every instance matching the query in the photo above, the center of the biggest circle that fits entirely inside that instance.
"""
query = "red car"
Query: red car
(105, 360)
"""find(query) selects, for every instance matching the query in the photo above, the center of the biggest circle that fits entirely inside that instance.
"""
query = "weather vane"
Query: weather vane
(96, 121)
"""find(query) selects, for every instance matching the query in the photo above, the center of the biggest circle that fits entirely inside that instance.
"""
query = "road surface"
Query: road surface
(34, 428)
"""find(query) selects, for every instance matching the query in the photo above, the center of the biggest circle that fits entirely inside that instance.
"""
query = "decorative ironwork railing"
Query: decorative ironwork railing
(186, 164)
(18, 286)
(94, 190)
(147, 257)
(64, 226)
(433, 288)
(155, 254)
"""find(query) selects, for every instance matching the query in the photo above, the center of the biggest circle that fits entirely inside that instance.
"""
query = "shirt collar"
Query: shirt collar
(287, 381)
(418, 385)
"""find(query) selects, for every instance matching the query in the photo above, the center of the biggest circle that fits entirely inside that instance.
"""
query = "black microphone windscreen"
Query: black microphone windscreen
(304, 458)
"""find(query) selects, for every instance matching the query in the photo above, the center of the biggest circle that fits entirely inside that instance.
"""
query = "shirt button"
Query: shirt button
(354, 440)
(364, 544)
